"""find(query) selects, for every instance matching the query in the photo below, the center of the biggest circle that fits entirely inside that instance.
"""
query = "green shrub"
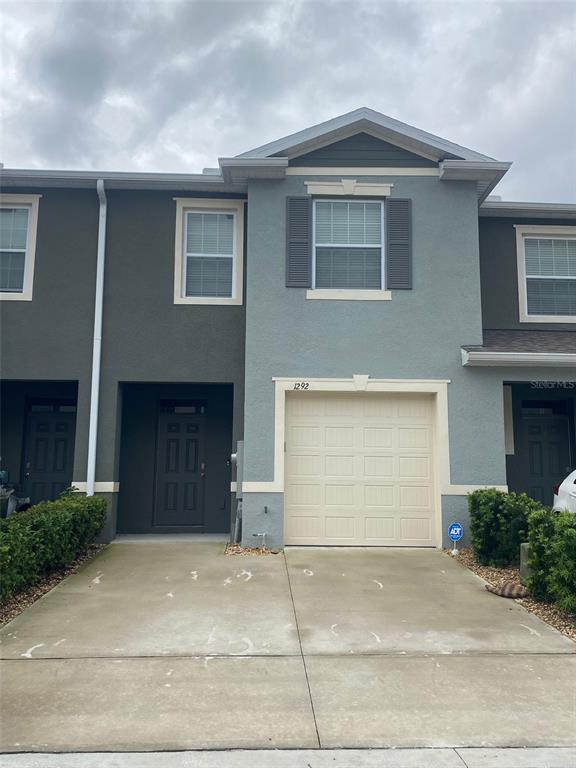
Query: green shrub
(498, 525)
(48, 536)
(541, 531)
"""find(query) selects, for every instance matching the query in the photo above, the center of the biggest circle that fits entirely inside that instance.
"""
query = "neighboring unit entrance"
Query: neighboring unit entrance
(359, 469)
(180, 467)
(48, 450)
(543, 450)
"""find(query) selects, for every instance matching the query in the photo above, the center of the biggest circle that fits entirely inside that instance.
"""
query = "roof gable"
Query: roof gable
(368, 121)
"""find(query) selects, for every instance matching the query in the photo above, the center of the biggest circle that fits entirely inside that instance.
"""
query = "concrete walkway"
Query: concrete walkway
(172, 646)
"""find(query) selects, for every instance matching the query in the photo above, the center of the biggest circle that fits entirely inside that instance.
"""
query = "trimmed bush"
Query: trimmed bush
(498, 525)
(552, 539)
(48, 536)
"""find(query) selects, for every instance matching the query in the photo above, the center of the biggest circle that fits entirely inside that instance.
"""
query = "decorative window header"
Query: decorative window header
(348, 187)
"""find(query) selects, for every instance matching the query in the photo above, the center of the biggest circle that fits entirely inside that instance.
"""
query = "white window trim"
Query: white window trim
(209, 205)
(349, 294)
(30, 202)
(523, 231)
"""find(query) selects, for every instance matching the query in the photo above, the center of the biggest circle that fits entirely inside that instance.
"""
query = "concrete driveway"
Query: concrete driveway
(169, 644)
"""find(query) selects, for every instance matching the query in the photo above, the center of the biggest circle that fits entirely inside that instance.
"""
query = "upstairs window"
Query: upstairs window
(348, 244)
(18, 217)
(547, 274)
(209, 254)
(209, 240)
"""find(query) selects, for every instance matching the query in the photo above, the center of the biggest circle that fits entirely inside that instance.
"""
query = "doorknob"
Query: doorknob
(202, 469)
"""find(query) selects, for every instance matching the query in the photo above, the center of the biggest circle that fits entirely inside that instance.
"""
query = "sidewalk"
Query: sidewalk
(352, 758)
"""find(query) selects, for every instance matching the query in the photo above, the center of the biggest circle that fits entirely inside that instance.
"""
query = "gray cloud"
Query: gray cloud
(172, 85)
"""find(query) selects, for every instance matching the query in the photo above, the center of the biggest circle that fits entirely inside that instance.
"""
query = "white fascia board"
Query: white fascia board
(363, 119)
(117, 180)
(240, 169)
(525, 210)
(515, 359)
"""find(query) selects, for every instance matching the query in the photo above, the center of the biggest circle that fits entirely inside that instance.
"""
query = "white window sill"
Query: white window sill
(348, 295)
(16, 296)
(547, 318)
(210, 301)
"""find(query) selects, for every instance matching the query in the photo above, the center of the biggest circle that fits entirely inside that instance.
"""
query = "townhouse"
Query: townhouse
(348, 309)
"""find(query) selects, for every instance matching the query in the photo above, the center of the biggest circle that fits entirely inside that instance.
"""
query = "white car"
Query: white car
(565, 494)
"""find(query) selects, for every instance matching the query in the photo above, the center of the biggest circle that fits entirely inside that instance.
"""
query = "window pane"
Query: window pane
(210, 233)
(348, 268)
(13, 227)
(554, 257)
(210, 276)
(12, 271)
(551, 297)
(348, 223)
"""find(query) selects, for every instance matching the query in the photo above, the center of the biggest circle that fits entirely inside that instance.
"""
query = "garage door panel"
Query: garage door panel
(379, 495)
(304, 494)
(380, 528)
(339, 466)
(379, 437)
(305, 437)
(414, 437)
(415, 528)
(415, 467)
(339, 437)
(340, 527)
(359, 470)
(378, 466)
(339, 495)
(304, 465)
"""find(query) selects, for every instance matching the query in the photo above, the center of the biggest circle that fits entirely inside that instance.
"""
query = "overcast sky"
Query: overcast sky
(171, 86)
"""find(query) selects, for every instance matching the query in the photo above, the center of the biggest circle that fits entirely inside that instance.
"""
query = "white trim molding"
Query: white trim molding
(102, 487)
(348, 294)
(31, 203)
(519, 359)
(210, 205)
(545, 231)
(359, 171)
(349, 188)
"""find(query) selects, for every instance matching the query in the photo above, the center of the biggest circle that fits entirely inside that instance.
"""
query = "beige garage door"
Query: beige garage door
(359, 469)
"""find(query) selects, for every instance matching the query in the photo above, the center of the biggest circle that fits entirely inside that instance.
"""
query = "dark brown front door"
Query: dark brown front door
(180, 469)
(48, 451)
(544, 454)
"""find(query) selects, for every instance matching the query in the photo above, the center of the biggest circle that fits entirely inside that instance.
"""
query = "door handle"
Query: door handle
(202, 469)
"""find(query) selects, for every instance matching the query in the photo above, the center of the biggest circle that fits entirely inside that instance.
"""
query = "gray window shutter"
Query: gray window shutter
(398, 244)
(298, 242)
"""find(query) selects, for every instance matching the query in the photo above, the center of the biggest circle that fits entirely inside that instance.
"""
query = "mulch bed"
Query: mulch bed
(563, 622)
(18, 603)
(236, 549)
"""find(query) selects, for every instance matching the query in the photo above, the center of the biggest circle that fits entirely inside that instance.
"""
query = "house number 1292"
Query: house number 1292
(302, 385)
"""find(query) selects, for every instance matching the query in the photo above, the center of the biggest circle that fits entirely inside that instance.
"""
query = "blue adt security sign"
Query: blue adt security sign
(455, 531)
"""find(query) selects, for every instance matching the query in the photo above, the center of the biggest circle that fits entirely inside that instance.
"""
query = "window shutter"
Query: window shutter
(298, 242)
(399, 244)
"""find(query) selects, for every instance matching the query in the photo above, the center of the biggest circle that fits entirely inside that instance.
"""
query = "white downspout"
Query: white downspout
(97, 344)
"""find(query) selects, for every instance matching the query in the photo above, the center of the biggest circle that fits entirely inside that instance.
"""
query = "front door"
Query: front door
(544, 455)
(48, 451)
(180, 468)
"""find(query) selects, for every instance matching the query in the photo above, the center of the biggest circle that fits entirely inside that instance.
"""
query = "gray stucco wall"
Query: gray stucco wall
(146, 337)
(499, 276)
(417, 335)
(50, 337)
